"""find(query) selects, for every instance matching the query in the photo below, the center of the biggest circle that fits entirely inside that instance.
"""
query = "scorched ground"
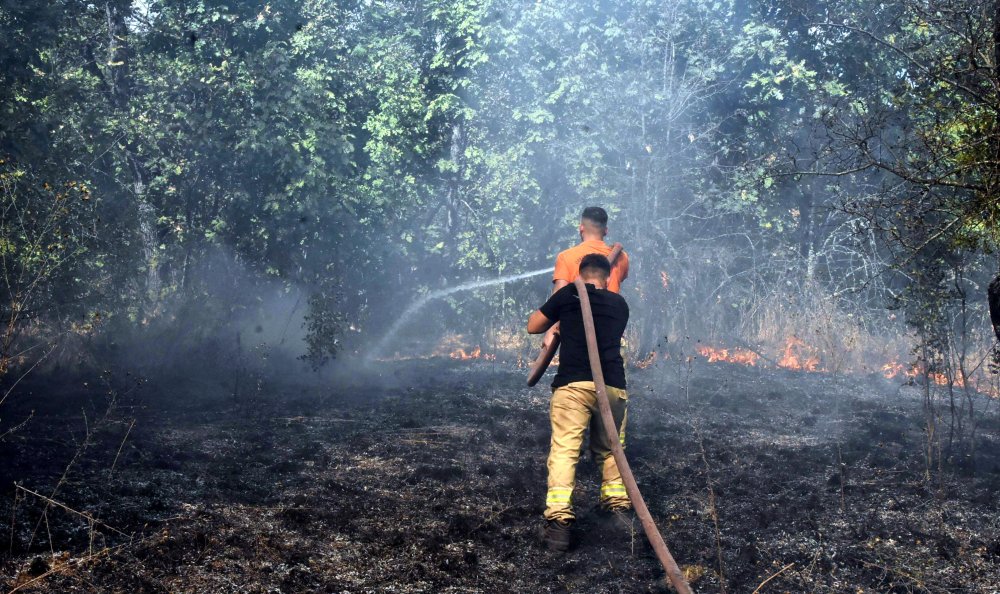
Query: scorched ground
(372, 484)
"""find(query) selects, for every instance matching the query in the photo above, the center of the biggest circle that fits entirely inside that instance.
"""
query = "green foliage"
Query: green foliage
(46, 230)
(325, 324)
(433, 142)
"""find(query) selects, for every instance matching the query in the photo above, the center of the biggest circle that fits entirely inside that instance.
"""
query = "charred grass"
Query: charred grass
(430, 476)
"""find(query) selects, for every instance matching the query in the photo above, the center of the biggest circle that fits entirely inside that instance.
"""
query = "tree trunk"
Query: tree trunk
(993, 292)
(996, 40)
(119, 87)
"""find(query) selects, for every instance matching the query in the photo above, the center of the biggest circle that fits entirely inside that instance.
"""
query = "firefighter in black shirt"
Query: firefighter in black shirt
(574, 399)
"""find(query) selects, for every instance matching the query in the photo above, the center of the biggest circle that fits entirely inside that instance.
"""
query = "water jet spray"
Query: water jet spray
(420, 303)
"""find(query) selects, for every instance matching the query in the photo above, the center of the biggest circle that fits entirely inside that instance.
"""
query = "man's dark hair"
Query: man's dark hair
(596, 215)
(595, 265)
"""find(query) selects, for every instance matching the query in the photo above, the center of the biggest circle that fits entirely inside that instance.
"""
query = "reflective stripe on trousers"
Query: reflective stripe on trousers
(613, 491)
(559, 496)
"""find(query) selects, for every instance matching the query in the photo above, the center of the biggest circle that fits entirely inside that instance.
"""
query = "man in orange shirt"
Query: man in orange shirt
(593, 229)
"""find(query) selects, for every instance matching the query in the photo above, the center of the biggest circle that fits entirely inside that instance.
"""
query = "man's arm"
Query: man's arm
(560, 278)
(561, 275)
(546, 316)
(538, 322)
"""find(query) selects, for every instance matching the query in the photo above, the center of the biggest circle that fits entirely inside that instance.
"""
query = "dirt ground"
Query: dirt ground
(429, 476)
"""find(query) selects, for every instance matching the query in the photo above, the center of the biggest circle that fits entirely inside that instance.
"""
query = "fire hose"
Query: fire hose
(649, 527)
(549, 350)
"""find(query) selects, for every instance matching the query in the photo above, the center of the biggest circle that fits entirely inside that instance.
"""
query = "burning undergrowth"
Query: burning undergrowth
(428, 475)
(785, 325)
(798, 356)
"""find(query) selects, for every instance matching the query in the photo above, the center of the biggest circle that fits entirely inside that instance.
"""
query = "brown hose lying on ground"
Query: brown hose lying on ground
(549, 350)
(649, 527)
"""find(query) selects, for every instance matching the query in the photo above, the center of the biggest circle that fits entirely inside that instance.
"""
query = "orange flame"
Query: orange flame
(798, 355)
(892, 369)
(475, 353)
(942, 379)
(741, 356)
(647, 361)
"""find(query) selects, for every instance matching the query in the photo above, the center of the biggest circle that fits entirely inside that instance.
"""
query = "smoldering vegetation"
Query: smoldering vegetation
(813, 481)
(264, 270)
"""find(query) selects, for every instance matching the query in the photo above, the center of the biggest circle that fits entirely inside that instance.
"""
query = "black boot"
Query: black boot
(556, 535)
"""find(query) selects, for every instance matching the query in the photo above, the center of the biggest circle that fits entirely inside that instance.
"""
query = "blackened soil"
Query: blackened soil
(435, 482)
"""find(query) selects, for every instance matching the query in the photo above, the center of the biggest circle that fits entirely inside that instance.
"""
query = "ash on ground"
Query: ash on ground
(810, 482)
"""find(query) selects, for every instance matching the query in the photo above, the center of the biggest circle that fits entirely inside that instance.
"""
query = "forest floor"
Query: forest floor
(429, 476)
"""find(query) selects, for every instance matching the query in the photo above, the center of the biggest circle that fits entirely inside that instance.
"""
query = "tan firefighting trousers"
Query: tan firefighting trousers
(574, 408)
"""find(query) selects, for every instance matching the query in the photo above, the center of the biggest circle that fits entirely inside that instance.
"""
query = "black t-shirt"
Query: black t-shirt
(610, 318)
